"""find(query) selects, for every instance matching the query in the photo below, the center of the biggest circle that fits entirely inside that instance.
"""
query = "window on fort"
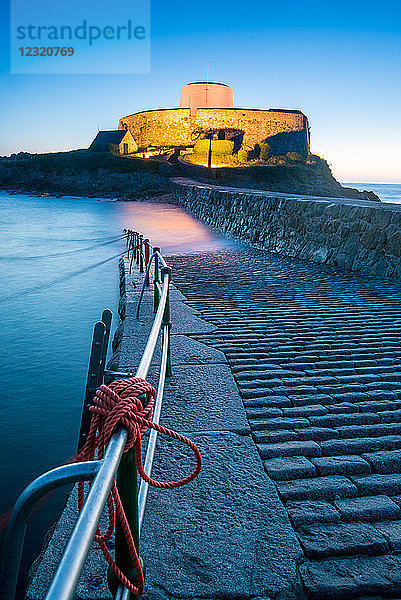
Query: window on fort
(125, 148)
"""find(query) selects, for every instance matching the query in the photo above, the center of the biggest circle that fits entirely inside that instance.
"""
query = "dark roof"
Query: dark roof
(207, 83)
(114, 136)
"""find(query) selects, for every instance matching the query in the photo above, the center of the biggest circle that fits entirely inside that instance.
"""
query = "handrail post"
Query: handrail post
(141, 254)
(130, 246)
(132, 258)
(156, 280)
(147, 257)
(107, 318)
(137, 248)
(166, 324)
(134, 250)
(95, 374)
(128, 489)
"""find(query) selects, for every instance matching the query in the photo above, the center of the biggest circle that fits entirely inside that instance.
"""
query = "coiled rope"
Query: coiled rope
(119, 405)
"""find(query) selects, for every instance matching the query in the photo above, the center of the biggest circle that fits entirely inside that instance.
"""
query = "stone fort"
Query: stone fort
(209, 106)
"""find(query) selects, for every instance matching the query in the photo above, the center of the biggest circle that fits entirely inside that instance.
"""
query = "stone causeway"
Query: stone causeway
(315, 353)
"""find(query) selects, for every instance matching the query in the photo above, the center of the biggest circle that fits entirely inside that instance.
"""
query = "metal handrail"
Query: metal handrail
(122, 592)
(70, 567)
(147, 272)
(72, 562)
(143, 490)
(15, 536)
(161, 259)
(102, 473)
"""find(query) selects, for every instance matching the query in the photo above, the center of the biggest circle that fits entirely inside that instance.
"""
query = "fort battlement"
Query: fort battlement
(177, 127)
(183, 126)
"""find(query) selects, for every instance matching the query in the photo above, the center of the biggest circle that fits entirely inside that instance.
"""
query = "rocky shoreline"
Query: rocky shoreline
(103, 175)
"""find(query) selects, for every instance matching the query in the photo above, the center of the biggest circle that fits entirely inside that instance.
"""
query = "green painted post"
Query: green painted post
(140, 242)
(95, 374)
(156, 280)
(131, 247)
(147, 258)
(167, 322)
(136, 249)
(128, 488)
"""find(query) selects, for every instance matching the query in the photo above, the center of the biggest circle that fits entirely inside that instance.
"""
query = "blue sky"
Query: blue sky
(339, 62)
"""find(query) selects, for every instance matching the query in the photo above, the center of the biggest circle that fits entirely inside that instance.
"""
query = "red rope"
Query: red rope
(118, 405)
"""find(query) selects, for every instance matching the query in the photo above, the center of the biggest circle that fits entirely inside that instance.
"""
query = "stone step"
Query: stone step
(358, 577)
(341, 539)
(375, 430)
(341, 465)
(305, 512)
(390, 416)
(343, 420)
(318, 488)
(316, 434)
(271, 401)
(384, 461)
(377, 484)
(369, 508)
(274, 436)
(289, 468)
(290, 448)
(279, 423)
(305, 411)
(360, 446)
(263, 412)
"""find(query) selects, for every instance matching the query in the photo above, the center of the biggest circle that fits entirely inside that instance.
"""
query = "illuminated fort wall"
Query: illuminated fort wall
(178, 127)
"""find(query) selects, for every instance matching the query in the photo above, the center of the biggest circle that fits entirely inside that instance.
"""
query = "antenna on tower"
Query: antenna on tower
(207, 84)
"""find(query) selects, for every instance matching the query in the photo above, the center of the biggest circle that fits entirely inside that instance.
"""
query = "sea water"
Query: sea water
(387, 192)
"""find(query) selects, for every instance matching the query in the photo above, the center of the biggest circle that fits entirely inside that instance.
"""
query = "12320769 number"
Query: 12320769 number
(46, 51)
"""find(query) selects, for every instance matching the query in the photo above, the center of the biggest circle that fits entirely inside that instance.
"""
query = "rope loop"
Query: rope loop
(119, 405)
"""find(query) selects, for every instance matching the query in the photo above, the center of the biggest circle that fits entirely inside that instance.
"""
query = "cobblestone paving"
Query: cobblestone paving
(316, 355)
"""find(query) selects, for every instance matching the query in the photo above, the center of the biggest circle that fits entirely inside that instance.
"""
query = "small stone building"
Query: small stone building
(115, 140)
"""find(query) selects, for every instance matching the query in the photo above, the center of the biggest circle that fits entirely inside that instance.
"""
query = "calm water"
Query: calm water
(46, 336)
(388, 192)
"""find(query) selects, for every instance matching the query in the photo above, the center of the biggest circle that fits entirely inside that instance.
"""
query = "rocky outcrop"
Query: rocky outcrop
(359, 235)
(82, 173)
(291, 177)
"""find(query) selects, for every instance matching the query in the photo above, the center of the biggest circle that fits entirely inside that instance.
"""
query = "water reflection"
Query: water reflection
(171, 228)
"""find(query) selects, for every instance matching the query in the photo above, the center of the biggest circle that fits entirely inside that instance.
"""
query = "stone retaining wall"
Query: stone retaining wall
(352, 234)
